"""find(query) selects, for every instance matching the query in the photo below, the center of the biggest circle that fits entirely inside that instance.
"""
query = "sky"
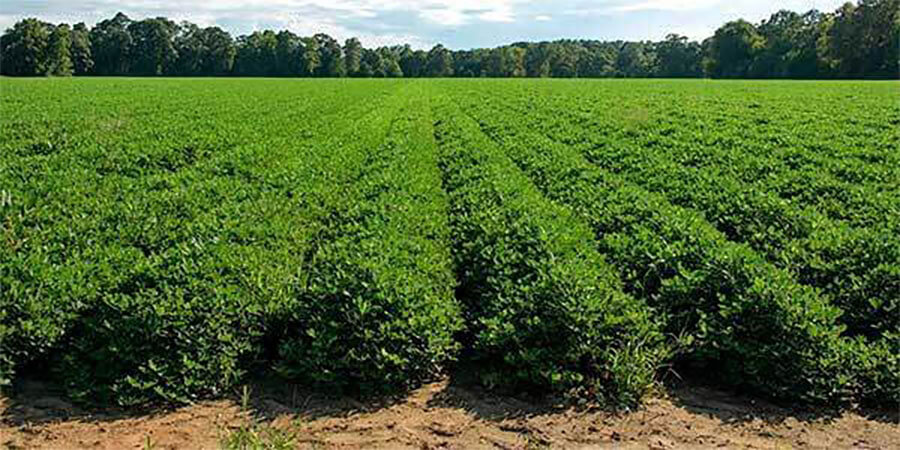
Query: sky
(458, 24)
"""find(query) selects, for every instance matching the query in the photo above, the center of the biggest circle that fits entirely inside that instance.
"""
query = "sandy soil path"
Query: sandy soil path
(443, 415)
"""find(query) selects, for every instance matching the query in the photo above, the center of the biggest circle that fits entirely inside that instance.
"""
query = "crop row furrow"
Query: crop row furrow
(855, 267)
(375, 309)
(545, 311)
(863, 191)
(737, 313)
(166, 282)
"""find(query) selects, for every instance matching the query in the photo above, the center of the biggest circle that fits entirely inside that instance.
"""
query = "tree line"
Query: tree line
(856, 41)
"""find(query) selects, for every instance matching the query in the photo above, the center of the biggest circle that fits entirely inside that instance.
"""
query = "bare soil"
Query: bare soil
(443, 415)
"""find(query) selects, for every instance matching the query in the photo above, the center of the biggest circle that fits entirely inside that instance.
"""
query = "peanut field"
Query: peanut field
(166, 240)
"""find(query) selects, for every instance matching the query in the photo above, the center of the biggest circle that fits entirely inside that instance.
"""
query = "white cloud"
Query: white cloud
(618, 7)
(458, 23)
(693, 32)
(461, 12)
(444, 16)
(440, 12)
(722, 7)
(497, 16)
(665, 5)
(306, 26)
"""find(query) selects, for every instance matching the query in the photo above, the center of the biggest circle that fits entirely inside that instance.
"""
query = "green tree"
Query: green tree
(469, 63)
(309, 57)
(369, 64)
(353, 52)
(678, 57)
(59, 56)
(389, 63)
(331, 57)
(204, 51)
(597, 59)
(732, 50)
(219, 52)
(635, 61)
(777, 33)
(861, 41)
(537, 61)
(111, 45)
(413, 62)
(440, 62)
(24, 48)
(506, 62)
(790, 45)
(80, 49)
(801, 60)
(256, 54)
(563, 60)
(153, 47)
(287, 54)
(857, 40)
(189, 48)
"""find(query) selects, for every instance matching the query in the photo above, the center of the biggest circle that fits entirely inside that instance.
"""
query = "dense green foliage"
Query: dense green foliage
(167, 263)
(160, 240)
(737, 313)
(859, 40)
(544, 309)
(739, 191)
(375, 309)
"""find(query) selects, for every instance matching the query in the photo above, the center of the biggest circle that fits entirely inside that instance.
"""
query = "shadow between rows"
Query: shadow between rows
(700, 394)
(461, 390)
(35, 401)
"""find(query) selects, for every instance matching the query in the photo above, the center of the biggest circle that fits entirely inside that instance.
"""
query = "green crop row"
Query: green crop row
(140, 282)
(544, 310)
(162, 240)
(375, 308)
(822, 151)
(740, 314)
(856, 267)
